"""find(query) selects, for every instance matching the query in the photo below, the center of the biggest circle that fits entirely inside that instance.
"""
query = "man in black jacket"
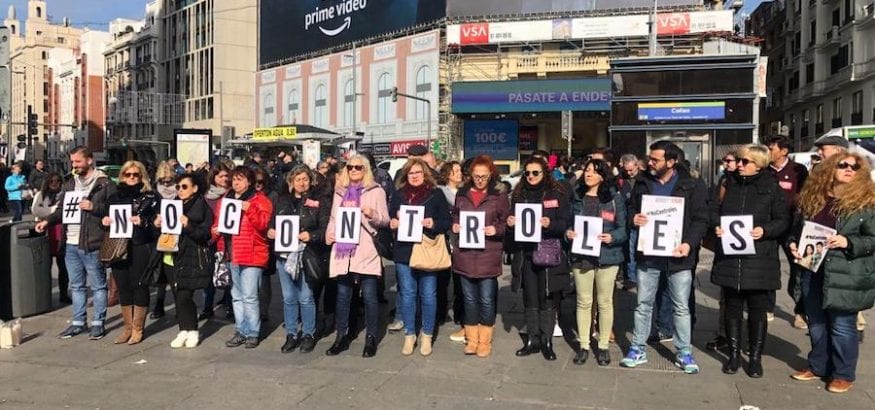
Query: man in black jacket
(668, 178)
(83, 240)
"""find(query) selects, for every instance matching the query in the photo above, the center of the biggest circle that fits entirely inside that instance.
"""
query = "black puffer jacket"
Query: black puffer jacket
(760, 196)
(144, 204)
(193, 264)
(314, 208)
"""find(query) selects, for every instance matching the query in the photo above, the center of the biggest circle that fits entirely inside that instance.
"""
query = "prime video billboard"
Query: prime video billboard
(463, 8)
(291, 28)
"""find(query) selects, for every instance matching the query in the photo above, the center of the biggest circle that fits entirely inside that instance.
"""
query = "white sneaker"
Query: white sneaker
(193, 339)
(180, 339)
(557, 331)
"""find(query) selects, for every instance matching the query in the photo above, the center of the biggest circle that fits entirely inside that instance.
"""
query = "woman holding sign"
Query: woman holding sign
(297, 198)
(358, 210)
(750, 219)
(135, 190)
(537, 252)
(595, 270)
(477, 259)
(241, 232)
(837, 195)
(418, 208)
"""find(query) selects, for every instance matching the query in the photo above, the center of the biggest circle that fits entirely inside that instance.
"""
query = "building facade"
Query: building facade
(765, 27)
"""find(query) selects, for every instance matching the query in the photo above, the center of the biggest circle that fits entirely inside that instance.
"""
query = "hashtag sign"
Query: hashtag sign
(71, 212)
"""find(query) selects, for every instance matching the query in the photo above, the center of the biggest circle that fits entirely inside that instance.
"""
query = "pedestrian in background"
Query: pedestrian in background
(15, 185)
(44, 204)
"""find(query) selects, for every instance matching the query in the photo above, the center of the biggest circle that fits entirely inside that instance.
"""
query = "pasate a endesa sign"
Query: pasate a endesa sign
(584, 94)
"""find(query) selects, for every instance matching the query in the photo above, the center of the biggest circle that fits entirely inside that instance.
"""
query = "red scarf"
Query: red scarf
(415, 195)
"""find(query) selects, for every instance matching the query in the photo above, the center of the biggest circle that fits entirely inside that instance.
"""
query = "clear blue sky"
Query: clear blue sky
(94, 14)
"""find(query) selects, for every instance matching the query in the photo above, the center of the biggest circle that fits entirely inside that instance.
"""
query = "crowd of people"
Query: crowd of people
(326, 280)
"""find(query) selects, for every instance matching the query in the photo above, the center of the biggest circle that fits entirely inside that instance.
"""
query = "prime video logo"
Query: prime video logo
(325, 15)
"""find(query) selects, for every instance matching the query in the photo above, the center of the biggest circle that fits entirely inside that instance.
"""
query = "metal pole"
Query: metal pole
(221, 119)
(652, 42)
(428, 118)
(355, 95)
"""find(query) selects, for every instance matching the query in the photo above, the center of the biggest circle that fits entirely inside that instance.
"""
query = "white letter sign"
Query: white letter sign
(171, 210)
(736, 238)
(664, 230)
(347, 225)
(71, 212)
(230, 216)
(410, 223)
(472, 230)
(586, 241)
(287, 229)
(120, 225)
(528, 223)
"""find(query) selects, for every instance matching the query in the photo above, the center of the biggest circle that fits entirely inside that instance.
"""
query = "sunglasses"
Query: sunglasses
(532, 173)
(845, 165)
(744, 161)
(182, 187)
(355, 167)
(131, 174)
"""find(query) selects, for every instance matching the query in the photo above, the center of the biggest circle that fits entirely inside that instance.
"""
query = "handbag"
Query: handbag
(168, 242)
(221, 272)
(431, 255)
(383, 241)
(314, 266)
(113, 250)
(548, 253)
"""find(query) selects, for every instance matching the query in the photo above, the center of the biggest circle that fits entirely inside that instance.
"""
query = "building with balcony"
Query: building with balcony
(830, 70)
(765, 27)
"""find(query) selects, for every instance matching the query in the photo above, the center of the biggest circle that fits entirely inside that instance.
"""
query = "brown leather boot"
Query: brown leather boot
(139, 322)
(472, 337)
(112, 293)
(127, 316)
(484, 348)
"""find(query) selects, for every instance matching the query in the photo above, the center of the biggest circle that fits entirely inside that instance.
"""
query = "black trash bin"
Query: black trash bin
(25, 271)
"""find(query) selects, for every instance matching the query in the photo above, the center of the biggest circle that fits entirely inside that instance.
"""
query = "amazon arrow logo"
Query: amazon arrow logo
(347, 21)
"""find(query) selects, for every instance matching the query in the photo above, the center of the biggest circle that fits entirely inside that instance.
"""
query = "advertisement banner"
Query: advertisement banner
(496, 138)
(399, 148)
(682, 111)
(293, 28)
(274, 133)
(192, 146)
(468, 8)
(585, 94)
(528, 138)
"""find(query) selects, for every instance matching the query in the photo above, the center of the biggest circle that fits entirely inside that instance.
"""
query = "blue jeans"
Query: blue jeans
(480, 300)
(296, 295)
(415, 283)
(631, 266)
(245, 282)
(664, 308)
(834, 345)
(345, 288)
(679, 285)
(17, 207)
(84, 269)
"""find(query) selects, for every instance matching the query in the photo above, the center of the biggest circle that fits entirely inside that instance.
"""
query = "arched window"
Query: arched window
(348, 103)
(423, 90)
(294, 105)
(384, 92)
(268, 120)
(320, 114)
(39, 12)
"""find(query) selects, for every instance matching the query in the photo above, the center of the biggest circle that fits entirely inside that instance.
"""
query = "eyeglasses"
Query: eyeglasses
(355, 167)
(483, 177)
(729, 160)
(414, 173)
(654, 160)
(182, 187)
(131, 174)
(845, 165)
(744, 161)
(532, 173)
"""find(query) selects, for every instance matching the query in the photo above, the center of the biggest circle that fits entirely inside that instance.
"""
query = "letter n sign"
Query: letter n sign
(120, 225)
(347, 225)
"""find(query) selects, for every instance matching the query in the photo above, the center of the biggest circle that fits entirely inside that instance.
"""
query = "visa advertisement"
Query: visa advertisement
(585, 94)
(496, 138)
(682, 111)
(290, 29)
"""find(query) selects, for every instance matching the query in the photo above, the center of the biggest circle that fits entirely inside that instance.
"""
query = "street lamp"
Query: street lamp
(355, 93)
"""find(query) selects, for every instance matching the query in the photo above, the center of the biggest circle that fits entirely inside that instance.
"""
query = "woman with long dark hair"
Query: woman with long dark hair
(542, 285)
(219, 183)
(44, 203)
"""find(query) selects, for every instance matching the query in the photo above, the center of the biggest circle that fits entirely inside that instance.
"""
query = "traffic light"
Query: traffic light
(394, 94)
(32, 120)
(22, 144)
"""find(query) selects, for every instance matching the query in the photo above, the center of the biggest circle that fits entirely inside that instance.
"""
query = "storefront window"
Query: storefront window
(683, 82)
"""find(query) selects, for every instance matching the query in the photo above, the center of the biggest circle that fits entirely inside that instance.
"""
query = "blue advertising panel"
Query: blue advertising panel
(682, 111)
(496, 138)
(585, 94)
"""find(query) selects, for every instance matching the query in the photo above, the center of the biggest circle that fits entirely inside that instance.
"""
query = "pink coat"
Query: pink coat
(366, 259)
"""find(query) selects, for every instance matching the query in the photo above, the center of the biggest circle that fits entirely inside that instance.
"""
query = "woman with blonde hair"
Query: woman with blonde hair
(838, 195)
(352, 264)
(165, 185)
(134, 189)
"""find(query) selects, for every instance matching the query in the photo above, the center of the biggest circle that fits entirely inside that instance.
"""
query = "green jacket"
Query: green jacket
(849, 274)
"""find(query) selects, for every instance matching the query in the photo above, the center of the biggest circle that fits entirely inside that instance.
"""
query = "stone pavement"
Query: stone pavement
(45, 372)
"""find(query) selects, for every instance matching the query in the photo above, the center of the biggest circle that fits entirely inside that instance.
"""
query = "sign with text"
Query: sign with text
(120, 224)
(528, 222)
(287, 229)
(496, 138)
(663, 232)
(736, 239)
(171, 211)
(347, 225)
(813, 245)
(472, 233)
(71, 213)
(410, 223)
(230, 216)
(583, 94)
(586, 240)
(682, 111)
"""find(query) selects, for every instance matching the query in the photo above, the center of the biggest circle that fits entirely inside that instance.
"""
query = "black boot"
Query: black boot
(341, 344)
(547, 347)
(533, 343)
(158, 311)
(733, 342)
(757, 329)
(370, 346)
(292, 343)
